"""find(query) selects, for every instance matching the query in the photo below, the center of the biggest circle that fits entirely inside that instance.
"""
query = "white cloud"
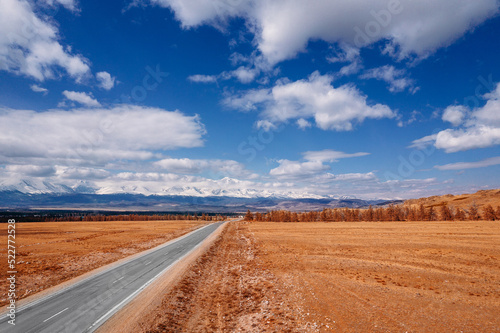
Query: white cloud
(302, 123)
(29, 45)
(37, 88)
(295, 169)
(332, 108)
(477, 136)
(470, 165)
(68, 4)
(106, 81)
(94, 136)
(480, 126)
(396, 78)
(198, 78)
(82, 173)
(243, 74)
(314, 165)
(196, 166)
(346, 177)
(423, 142)
(455, 114)
(81, 97)
(284, 28)
(328, 155)
(32, 170)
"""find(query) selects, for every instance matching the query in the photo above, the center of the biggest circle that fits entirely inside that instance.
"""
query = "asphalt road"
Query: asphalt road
(86, 305)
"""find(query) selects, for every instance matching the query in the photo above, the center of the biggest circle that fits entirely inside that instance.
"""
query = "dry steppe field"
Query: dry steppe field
(49, 253)
(292, 277)
(341, 277)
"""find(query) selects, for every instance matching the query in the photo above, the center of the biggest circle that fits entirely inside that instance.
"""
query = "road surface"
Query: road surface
(87, 304)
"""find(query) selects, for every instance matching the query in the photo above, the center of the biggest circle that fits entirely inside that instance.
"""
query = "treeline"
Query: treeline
(389, 213)
(135, 217)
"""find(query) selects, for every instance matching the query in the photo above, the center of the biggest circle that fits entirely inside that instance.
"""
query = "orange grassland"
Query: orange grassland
(340, 277)
(389, 276)
(50, 253)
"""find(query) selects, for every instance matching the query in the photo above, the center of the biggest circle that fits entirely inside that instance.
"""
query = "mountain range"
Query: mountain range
(39, 194)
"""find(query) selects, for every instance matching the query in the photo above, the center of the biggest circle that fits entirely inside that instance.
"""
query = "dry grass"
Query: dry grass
(463, 201)
(51, 253)
(414, 277)
(341, 277)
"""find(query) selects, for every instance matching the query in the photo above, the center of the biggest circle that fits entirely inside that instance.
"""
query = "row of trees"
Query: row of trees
(389, 213)
(136, 217)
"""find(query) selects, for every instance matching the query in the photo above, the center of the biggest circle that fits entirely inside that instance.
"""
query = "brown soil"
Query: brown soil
(50, 253)
(340, 277)
(464, 201)
(229, 290)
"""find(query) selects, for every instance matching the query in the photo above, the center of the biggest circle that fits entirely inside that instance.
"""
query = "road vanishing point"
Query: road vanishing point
(87, 304)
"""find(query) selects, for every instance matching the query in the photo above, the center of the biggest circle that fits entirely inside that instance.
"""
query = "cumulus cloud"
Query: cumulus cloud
(315, 97)
(396, 78)
(313, 165)
(106, 81)
(455, 114)
(37, 88)
(81, 97)
(94, 136)
(294, 169)
(480, 127)
(29, 44)
(470, 165)
(284, 28)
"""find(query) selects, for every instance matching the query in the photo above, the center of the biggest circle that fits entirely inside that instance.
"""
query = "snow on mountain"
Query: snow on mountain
(232, 189)
(33, 186)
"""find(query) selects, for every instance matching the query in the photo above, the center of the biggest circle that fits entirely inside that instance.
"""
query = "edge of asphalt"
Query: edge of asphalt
(127, 319)
(53, 291)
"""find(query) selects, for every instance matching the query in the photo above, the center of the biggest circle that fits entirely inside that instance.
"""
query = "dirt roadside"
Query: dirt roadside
(131, 317)
(227, 289)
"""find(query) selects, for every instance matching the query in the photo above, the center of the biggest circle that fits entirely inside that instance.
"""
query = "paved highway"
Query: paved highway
(87, 304)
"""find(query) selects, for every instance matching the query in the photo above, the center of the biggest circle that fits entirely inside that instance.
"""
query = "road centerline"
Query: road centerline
(118, 279)
(55, 315)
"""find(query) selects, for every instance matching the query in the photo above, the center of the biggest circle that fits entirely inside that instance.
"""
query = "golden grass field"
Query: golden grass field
(341, 277)
(292, 277)
(49, 253)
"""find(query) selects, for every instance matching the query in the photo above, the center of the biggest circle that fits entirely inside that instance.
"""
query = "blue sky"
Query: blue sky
(373, 99)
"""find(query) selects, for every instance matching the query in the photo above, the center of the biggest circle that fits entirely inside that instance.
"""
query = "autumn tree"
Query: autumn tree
(473, 213)
(445, 213)
(460, 215)
(422, 214)
(369, 214)
(249, 216)
(431, 214)
(489, 213)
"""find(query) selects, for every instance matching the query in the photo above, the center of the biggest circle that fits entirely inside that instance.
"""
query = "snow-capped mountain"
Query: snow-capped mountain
(34, 186)
(38, 186)
(27, 194)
